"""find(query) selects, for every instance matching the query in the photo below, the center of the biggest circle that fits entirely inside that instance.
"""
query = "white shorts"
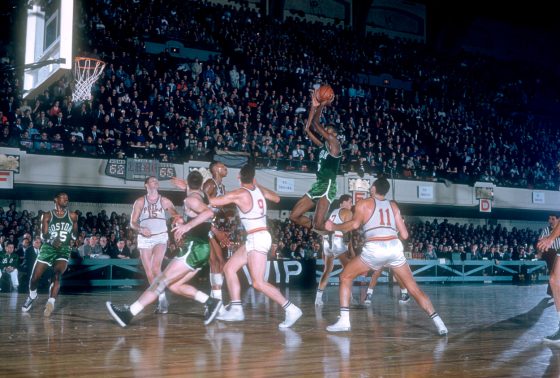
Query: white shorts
(381, 254)
(260, 242)
(337, 248)
(152, 241)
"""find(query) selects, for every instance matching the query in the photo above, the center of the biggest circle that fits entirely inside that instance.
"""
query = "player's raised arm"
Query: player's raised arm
(269, 194)
(354, 223)
(179, 183)
(228, 198)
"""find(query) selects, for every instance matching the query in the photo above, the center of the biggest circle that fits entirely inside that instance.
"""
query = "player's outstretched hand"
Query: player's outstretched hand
(179, 183)
(222, 237)
(180, 230)
(56, 243)
(544, 244)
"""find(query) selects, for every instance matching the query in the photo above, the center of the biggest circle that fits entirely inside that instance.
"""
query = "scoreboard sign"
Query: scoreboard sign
(133, 169)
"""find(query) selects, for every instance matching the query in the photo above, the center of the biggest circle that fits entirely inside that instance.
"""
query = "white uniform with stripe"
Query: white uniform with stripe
(152, 217)
(254, 222)
(338, 245)
(382, 247)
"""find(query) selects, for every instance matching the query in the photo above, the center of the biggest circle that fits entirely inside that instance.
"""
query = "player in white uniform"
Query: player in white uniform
(148, 218)
(250, 200)
(334, 246)
(381, 222)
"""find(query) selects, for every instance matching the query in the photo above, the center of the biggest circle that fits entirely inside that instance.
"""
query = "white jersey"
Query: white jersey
(381, 225)
(336, 219)
(255, 219)
(152, 216)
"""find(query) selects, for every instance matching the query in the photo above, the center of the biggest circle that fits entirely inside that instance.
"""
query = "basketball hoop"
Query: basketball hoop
(86, 72)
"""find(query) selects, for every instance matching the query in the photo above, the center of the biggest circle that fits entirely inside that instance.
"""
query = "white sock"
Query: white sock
(344, 314)
(136, 308)
(162, 297)
(370, 291)
(201, 297)
(51, 300)
(32, 294)
(438, 322)
(404, 291)
(290, 307)
(319, 294)
(217, 293)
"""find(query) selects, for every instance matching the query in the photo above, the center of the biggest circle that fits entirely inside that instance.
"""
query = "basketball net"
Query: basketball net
(86, 73)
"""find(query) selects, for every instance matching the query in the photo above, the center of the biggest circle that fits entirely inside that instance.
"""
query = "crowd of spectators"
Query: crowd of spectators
(109, 236)
(465, 118)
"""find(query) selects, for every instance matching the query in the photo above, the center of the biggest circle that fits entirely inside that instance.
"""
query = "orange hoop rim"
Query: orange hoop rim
(79, 59)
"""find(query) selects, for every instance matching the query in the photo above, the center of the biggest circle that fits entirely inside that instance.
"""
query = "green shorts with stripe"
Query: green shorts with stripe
(323, 188)
(48, 254)
(194, 253)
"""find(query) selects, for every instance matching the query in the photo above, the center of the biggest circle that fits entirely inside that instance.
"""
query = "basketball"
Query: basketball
(325, 92)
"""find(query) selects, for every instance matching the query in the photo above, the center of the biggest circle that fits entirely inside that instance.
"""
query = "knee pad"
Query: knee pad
(159, 284)
(216, 279)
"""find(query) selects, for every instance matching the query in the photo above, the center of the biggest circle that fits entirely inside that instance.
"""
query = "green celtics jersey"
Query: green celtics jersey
(327, 167)
(7, 260)
(61, 228)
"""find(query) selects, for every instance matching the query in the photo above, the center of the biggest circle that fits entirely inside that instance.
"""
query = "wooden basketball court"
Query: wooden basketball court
(494, 331)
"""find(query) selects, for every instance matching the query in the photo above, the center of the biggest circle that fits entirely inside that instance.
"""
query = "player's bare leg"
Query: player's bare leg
(256, 263)
(301, 207)
(404, 275)
(353, 269)
(321, 210)
(216, 263)
(59, 268)
(38, 270)
(233, 265)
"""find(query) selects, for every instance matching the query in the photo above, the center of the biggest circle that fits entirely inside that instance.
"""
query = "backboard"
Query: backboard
(48, 44)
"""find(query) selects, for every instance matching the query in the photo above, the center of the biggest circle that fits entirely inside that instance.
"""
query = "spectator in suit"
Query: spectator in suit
(430, 253)
(29, 257)
(104, 249)
(120, 251)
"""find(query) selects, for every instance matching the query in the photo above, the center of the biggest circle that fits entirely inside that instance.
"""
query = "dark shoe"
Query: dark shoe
(213, 306)
(553, 339)
(27, 305)
(123, 316)
(405, 298)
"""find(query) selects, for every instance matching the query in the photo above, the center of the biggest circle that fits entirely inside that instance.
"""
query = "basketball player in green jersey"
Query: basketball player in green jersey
(58, 228)
(323, 191)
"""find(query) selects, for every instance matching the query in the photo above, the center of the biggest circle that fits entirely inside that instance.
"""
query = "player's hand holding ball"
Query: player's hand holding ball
(323, 95)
